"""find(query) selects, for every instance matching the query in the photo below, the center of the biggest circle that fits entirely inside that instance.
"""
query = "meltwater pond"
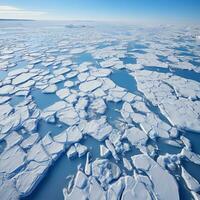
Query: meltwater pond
(86, 107)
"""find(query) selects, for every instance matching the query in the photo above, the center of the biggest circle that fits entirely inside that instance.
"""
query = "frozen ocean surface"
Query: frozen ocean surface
(99, 111)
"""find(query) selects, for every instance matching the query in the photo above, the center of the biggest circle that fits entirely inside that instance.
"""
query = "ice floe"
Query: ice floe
(89, 86)
(157, 174)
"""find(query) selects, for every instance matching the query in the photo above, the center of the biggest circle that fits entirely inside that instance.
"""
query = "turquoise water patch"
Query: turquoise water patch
(20, 64)
(16, 100)
(164, 148)
(44, 100)
(3, 74)
(83, 57)
(113, 111)
(123, 79)
(60, 85)
(49, 128)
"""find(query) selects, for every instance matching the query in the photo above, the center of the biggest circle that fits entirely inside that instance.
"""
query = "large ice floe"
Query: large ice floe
(99, 112)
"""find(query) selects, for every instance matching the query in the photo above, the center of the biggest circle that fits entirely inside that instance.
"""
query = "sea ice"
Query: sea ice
(89, 86)
(12, 160)
(98, 129)
(157, 175)
(191, 182)
(105, 171)
(143, 129)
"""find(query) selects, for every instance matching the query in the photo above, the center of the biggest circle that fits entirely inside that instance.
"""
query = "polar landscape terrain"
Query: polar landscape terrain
(99, 111)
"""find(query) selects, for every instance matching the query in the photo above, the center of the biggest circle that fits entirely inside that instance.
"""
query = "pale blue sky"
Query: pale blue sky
(105, 10)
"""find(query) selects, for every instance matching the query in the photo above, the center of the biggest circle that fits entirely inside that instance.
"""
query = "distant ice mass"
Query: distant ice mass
(99, 111)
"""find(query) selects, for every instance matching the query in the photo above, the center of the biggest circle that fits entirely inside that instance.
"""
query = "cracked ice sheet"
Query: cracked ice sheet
(83, 90)
(175, 96)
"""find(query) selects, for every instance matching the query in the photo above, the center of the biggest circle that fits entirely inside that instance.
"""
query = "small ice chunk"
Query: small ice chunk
(69, 84)
(22, 78)
(51, 119)
(87, 165)
(98, 129)
(111, 148)
(28, 142)
(95, 190)
(82, 103)
(101, 72)
(89, 86)
(37, 153)
(4, 99)
(17, 72)
(108, 63)
(12, 139)
(6, 89)
(61, 71)
(127, 164)
(98, 106)
(191, 182)
(99, 93)
(63, 93)
(81, 149)
(186, 142)
(54, 149)
(52, 109)
(83, 76)
(30, 125)
(80, 180)
(50, 89)
(68, 116)
(12, 160)
(74, 134)
(104, 152)
(105, 171)
(71, 153)
(195, 195)
(193, 157)
(136, 137)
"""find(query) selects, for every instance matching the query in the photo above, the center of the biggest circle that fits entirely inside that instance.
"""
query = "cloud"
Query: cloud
(10, 12)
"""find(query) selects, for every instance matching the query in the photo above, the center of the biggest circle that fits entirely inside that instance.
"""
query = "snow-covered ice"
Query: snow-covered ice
(114, 109)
